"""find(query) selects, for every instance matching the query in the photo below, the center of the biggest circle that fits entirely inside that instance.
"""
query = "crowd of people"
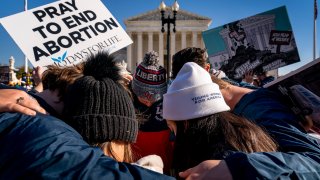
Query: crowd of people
(97, 120)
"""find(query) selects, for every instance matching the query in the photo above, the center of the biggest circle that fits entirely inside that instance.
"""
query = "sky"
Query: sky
(220, 11)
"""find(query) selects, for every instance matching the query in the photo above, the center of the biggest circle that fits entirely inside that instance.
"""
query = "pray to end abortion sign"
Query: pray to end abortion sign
(65, 32)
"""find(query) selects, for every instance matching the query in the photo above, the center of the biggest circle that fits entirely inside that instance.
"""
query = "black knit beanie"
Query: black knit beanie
(100, 109)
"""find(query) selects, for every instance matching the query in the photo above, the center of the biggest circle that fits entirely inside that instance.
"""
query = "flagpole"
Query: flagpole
(315, 29)
(25, 57)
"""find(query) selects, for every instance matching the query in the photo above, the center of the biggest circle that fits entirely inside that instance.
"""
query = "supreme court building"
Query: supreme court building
(145, 31)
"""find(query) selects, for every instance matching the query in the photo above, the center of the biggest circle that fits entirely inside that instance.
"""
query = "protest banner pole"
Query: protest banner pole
(25, 57)
(315, 15)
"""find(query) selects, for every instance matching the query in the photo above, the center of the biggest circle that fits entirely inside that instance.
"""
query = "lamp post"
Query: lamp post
(168, 20)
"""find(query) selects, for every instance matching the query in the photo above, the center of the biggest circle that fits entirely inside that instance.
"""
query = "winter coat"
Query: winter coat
(299, 156)
(44, 147)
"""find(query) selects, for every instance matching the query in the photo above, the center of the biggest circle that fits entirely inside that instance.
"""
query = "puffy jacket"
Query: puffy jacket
(299, 156)
(43, 147)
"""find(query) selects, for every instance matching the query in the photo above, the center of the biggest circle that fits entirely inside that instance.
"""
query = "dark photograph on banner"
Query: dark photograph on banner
(300, 89)
(259, 43)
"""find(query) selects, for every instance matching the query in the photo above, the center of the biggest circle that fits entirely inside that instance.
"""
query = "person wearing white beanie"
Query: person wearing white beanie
(205, 129)
(193, 94)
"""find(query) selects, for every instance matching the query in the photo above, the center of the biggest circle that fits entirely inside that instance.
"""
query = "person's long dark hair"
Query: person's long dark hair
(190, 54)
(215, 137)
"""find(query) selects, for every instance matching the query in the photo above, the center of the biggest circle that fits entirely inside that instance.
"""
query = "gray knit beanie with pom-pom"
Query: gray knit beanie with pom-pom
(149, 80)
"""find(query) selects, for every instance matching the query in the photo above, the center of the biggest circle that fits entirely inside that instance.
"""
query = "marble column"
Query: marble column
(150, 41)
(172, 48)
(172, 43)
(183, 39)
(129, 54)
(139, 49)
(202, 45)
(194, 39)
(161, 61)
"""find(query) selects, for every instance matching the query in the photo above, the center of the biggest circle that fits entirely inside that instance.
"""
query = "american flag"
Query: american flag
(315, 9)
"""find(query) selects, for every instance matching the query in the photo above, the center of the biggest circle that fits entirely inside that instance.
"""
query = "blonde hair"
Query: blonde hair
(107, 149)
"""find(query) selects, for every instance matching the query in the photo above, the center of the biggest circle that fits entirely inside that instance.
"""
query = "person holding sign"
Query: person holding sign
(264, 78)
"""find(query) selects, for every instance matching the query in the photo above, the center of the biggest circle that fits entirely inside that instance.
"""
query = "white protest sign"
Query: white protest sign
(65, 32)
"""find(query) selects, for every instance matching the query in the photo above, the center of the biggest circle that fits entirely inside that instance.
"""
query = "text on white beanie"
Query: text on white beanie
(192, 94)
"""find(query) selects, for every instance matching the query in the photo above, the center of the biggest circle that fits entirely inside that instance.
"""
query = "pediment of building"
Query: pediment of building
(253, 21)
(155, 15)
(258, 18)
